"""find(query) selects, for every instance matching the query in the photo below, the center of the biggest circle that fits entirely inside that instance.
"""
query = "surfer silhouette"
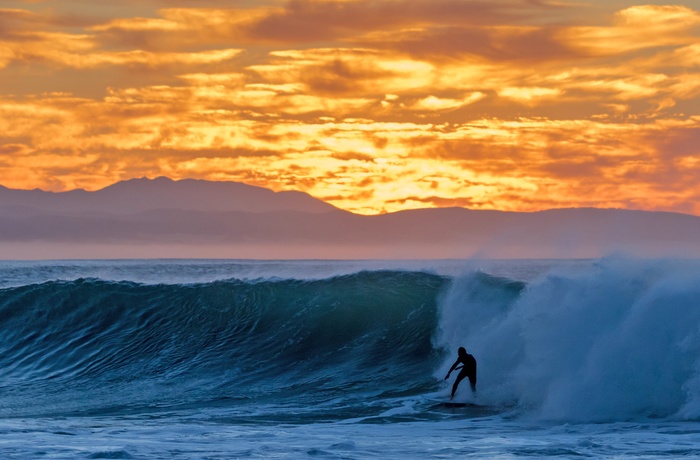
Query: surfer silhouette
(468, 370)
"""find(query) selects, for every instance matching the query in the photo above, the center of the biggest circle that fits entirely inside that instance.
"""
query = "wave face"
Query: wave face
(617, 341)
(607, 340)
(92, 346)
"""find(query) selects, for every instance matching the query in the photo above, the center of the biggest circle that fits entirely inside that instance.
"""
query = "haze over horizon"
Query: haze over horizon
(372, 107)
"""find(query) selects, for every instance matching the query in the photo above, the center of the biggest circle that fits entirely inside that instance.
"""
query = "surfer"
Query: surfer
(468, 370)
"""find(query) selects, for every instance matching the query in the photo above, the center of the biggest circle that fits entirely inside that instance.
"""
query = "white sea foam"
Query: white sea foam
(618, 340)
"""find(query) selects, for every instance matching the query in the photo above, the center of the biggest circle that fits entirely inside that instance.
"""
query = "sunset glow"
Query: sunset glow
(372, 106)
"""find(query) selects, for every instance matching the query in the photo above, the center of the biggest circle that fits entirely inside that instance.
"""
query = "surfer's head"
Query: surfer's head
(461, 351)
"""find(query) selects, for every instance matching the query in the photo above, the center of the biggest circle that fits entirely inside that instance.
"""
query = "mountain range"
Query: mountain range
(145, 218)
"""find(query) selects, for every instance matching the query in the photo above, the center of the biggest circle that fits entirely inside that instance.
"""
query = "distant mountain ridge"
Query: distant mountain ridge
(200, 219)
(139, 195)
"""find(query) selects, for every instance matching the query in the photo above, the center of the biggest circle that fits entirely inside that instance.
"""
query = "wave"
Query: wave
(90, 344)
(617, 341)
(610, 340)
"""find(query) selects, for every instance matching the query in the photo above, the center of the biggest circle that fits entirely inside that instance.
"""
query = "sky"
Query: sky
(371, 105)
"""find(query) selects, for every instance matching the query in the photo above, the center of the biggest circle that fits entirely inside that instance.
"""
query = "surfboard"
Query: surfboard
(454, 405)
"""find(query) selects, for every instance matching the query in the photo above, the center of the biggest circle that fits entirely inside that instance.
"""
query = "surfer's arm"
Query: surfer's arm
(451, 369)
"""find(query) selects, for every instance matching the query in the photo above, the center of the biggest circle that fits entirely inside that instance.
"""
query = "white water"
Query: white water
(616, 341)
(467, 438)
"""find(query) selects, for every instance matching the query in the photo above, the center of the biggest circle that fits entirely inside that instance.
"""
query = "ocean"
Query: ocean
(223, 359)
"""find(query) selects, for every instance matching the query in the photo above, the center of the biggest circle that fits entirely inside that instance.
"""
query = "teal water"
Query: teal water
(252, 359)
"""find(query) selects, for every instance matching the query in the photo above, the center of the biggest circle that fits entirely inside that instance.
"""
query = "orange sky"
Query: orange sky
(371, 105)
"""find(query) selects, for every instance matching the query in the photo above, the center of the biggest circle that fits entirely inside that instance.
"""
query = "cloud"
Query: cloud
(79, 53)
(433, 103)
(635, 28)
(529, 94)
(319, 21)
(345, 70)
(314, 20)
(495, 43)
(178, 28)
(377, 106)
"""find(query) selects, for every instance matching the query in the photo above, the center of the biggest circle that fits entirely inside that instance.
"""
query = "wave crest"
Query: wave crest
(615, 342)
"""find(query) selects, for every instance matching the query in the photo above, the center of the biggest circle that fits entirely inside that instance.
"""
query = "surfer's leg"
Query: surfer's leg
(454, 387)
(472, 381)
(459, 378)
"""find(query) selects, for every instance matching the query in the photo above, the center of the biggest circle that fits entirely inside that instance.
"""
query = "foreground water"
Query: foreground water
(332, 359)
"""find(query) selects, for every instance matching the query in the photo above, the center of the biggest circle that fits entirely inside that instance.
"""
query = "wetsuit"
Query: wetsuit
(468, 370)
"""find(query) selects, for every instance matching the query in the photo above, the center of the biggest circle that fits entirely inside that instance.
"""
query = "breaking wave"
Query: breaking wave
(616, 340)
